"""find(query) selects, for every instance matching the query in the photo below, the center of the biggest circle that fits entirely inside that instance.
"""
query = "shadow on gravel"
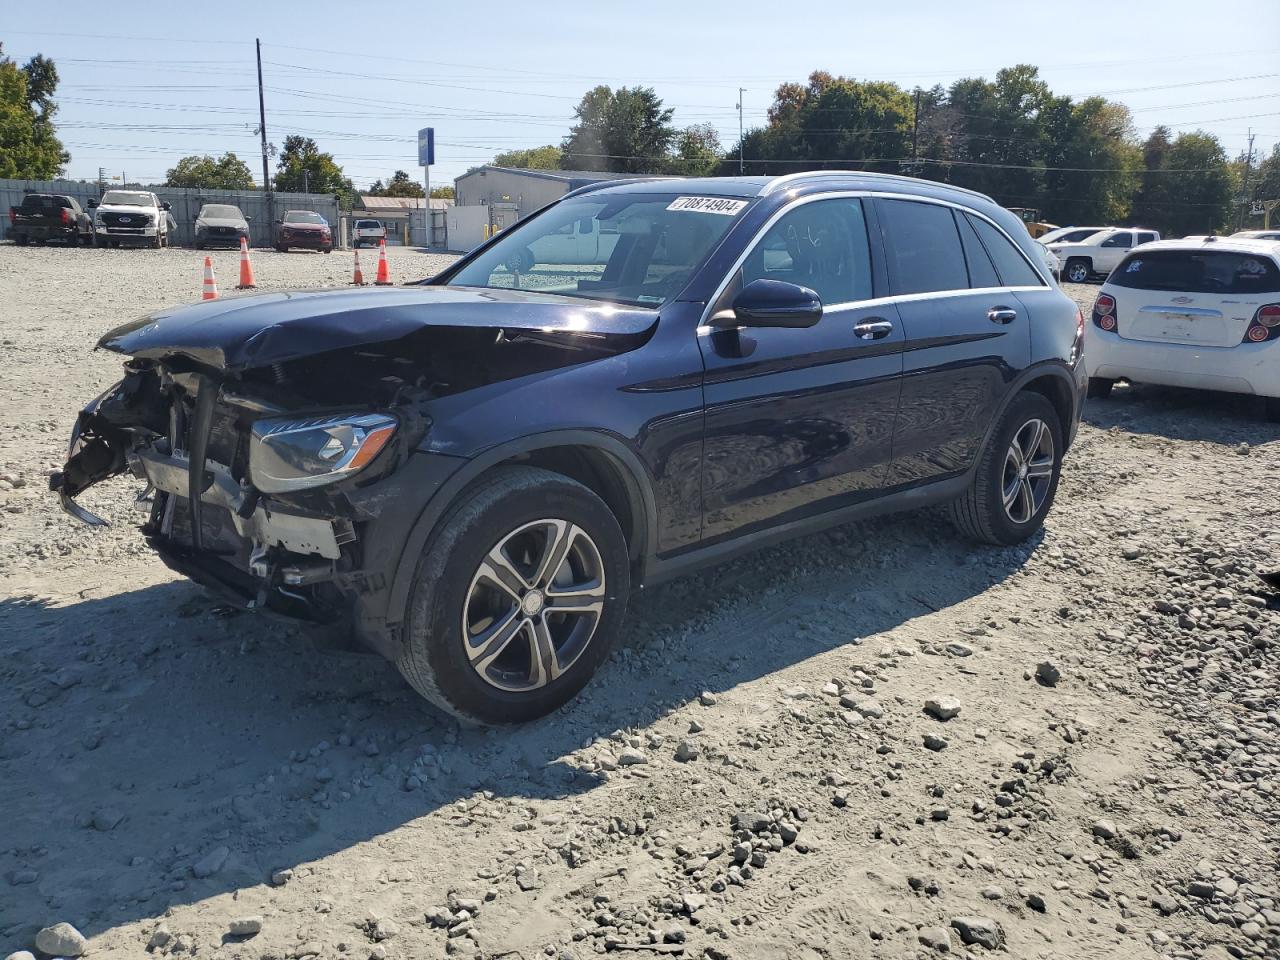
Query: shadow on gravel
(1181, 414)
(158, 750)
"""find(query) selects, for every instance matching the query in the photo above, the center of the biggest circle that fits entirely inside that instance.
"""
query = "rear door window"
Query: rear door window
(982, 272)
(923, 246)
(820, 245)
(1118, 240)
(1146, 238)
(1011, 264)
(1198, 271)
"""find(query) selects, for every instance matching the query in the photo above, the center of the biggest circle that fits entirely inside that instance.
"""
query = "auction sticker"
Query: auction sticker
(723, 205)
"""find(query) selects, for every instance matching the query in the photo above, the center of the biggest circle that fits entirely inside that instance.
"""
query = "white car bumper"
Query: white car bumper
(106, 231)
(1245, 368)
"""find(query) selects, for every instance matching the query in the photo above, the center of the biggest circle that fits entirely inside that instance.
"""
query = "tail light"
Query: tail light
(1104, 312)
(66, 216)
(1265, 324)
(13, 215)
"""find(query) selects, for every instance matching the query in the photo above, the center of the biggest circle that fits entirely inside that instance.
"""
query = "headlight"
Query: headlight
(295, 454)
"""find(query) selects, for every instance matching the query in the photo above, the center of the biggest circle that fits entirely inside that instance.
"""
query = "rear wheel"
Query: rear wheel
(1017, 476)
(1077, 270)
(281, 248)
(1100, 388)
(517, 598)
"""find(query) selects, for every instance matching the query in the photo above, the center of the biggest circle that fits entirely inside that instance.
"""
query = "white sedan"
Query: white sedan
(1203, 314)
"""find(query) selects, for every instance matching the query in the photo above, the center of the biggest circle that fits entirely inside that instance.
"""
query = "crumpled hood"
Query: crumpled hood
(244, 332)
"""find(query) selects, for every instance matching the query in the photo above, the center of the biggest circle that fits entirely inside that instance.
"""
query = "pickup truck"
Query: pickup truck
(131, 216)
(1100, 253)
(49, 216)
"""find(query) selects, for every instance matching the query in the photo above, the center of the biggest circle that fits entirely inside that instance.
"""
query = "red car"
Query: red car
(305, 229)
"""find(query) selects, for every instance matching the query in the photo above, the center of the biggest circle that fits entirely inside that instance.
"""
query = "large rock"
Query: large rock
(979, 930)
(60, 940)
(942, 708)
(211, 863)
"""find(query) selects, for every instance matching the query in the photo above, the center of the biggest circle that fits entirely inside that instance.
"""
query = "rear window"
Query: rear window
(367, 224)
(33, 202)
(924, 247)
(1197, 271)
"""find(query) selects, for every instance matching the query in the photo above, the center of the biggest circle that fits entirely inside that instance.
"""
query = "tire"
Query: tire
(326, 250)
(520, 262)
(281, 249)
(1099, 388)
(22, 240)
(1077, 270)
(980, 513)
(451, 596)
(157, 243)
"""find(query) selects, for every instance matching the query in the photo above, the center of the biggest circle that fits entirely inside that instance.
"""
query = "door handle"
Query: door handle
(873, 329)
(1002, 314)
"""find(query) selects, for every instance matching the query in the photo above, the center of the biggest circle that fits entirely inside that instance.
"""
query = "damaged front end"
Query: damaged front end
(254, 490)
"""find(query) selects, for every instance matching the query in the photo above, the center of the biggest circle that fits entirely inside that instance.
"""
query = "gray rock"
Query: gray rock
(934, 742)
(384, 928)
(708, 699)
(1105, 829)
(61, 940)
(160, 937)
(280, 877)
(870, 708)
(245, 926)
(20, 877)
(1048, 673)
(107, 819)
(211, 862)
(750, 821)
(686, 750)
(942, 708)
(980, 930)
(631, 757)
(21, 955)
(1227, 887)
(936, 938)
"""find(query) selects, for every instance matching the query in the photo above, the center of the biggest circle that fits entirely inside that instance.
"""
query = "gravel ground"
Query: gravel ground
(877, 742)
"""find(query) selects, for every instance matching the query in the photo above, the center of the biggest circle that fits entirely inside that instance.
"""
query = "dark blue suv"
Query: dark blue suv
(647, 376)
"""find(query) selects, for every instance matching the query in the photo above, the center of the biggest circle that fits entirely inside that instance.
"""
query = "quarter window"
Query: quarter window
(821, 245)
(924, 249)
(1012, 265)
(982, 273)
(1146, 238)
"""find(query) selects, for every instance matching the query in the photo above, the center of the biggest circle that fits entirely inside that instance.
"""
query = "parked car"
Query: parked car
(1069, 234)
(367, 231)
(1100, 253)
(1051, 260)
(305, 229)
(220, 223)
(125, 217)
(1191, 313)
(1256, 235)
(49, 216)
(477, 473)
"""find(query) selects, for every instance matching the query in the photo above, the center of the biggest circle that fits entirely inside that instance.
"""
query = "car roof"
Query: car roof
(1268, 248)
(747, 187)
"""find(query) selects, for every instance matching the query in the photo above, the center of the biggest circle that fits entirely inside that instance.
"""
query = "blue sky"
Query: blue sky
(141, 87)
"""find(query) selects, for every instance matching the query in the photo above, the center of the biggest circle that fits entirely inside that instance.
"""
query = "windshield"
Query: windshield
(123, 198)
(1198, 271)
(638, 248)
(300, 216)
(220, 211)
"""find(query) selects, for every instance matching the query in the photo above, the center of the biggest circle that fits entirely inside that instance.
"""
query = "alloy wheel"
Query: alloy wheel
(1078, 273)
(1028, 471)
(533, 605)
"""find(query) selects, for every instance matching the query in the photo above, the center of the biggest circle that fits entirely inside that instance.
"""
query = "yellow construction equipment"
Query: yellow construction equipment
(1031, 217)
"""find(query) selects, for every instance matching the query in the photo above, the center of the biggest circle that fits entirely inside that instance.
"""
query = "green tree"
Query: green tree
(534, 158)
(29, 147)
(697, 151)
(627, 131)
(228, 172)
(443, 193)
(303, 167)
(1188, 184)
(402, 185)
(1093, 135)
(1264, 184)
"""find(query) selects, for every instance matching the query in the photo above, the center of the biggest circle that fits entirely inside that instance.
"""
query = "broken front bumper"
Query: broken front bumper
(322, 555)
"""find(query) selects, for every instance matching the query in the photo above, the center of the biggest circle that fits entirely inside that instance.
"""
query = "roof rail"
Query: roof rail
(787, 178)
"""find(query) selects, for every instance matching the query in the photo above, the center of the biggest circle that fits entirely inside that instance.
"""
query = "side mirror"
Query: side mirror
(92, 203)
(165, 205)
(771, 303)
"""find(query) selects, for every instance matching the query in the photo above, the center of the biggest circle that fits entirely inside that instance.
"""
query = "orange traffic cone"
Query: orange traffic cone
(210, 285)
(246, 268)
(383, 279)
(358, 279)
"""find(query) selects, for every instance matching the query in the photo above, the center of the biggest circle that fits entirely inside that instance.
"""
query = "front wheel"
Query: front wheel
(1099, 388)
(517, 599)
(1017, 475)
(1077, 270)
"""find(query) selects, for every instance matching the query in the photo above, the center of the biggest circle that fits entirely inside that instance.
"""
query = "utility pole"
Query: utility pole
(306, 180)
(742, 167)
(1248, 170)
(262, 129)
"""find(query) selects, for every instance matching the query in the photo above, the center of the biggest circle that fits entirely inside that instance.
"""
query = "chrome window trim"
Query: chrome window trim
(1037, 269)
